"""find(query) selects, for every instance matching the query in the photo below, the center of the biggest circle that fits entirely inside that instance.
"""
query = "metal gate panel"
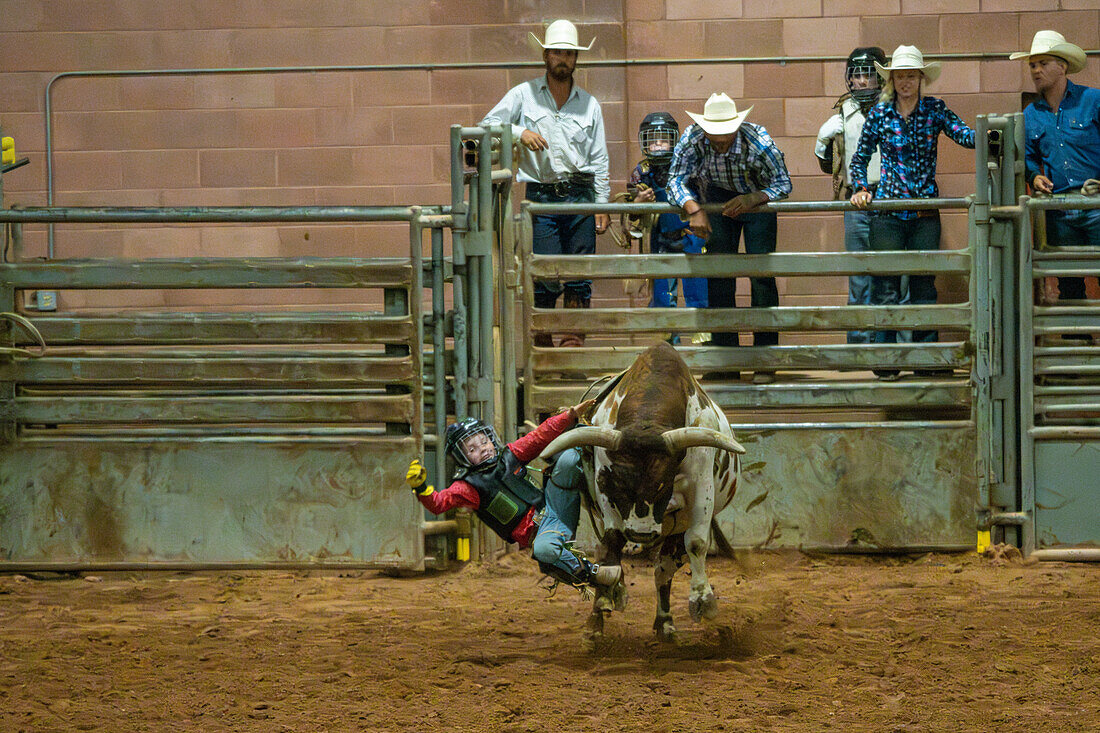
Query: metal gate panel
(208, 502)
(864, 489)
(1067, 494)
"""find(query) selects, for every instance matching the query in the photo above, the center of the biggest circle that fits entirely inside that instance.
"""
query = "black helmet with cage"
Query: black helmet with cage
(455, 440)
(657, 135)
(861, 64)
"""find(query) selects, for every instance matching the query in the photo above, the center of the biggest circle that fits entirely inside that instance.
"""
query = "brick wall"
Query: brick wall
(380, 137)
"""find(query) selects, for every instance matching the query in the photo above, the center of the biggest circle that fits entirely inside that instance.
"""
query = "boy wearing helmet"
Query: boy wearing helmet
(657, 136)
(836, 142)
(493, 482)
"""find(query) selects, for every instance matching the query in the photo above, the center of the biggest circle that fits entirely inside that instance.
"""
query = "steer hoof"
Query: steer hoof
(665, 631)
(703, 607)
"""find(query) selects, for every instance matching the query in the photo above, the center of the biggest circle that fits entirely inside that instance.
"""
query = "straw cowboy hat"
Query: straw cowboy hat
(561, 35)
(1053, 43)
(909, 57)
(720, 115)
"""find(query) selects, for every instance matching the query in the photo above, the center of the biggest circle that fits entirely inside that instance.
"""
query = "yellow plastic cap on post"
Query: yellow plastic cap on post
(8, 146)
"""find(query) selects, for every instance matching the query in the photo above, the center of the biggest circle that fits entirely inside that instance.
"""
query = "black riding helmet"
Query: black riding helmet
(456, 435)
(658, 126)
(861, 62)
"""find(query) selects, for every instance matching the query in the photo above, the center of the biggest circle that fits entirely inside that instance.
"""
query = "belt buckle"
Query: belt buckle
(562, 187)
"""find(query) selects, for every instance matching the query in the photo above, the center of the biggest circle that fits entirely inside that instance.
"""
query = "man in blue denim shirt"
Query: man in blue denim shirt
(1063, 143)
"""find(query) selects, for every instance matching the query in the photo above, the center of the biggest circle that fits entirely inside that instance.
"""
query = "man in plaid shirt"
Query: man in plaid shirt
(736, 163)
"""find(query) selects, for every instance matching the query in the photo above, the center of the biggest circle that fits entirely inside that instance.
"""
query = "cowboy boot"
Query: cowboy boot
(573, 300)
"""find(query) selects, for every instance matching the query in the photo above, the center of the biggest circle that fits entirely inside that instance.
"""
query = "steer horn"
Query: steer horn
(586, 435)
(681, 438)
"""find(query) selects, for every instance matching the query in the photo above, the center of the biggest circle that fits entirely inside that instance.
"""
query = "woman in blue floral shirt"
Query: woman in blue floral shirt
(905, 127)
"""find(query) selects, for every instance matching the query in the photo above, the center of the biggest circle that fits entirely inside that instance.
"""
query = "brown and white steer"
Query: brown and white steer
(665, 463)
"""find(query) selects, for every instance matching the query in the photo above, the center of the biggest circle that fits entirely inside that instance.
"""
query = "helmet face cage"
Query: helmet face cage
(861, 65)
(658, 142)
(657, 136)
(459, 433)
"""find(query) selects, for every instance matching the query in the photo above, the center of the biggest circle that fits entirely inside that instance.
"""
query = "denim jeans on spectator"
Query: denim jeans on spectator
(760, 230)
(562, 234)
(1073, 228)
(857, 238)
(891, 233)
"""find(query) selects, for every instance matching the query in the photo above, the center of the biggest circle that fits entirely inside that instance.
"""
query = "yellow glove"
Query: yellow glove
(416, 478)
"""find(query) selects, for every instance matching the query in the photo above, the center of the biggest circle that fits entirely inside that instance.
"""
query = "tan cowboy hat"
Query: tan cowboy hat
(1053, 43)
(720, 115)
(909, 57)
(561, 35)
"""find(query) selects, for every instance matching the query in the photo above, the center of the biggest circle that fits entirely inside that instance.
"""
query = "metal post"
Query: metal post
(439, 377)
(1026, 311)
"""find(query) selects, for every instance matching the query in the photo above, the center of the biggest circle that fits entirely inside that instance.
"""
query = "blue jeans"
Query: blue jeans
(561, 514)
(760, 229)
(562, 234)
(857, 238)
(890, 233)
(695, 288)
(1073, 228)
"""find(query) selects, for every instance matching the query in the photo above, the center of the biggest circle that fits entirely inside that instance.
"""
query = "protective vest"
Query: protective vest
(670, 230)
(852, 117)
(506, 494)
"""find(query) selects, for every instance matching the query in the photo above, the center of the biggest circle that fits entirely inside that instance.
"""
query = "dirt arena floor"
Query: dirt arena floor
(927, 643)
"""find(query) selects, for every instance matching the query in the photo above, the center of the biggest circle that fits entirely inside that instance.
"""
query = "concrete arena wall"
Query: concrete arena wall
(368, 138)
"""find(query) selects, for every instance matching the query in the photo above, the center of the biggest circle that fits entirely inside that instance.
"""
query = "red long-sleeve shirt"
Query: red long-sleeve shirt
(526, 449)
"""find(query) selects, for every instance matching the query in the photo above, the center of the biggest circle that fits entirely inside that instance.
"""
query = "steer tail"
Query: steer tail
(720, 541)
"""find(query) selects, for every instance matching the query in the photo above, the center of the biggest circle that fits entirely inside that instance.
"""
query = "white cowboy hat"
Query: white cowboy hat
(909, 57)
(1053, 43)
(720, 115)
(561, 35)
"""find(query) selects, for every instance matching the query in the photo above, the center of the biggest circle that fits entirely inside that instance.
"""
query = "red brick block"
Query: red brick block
(776, 81)
(647, 83)
(805, 115)
(483, 87)
(1004, 76)
(922, 31)
(1078, 26)
(1026, 6)
(656, 40)
(746, 38)
(382, 88)
(957, 77)
(154, 169)
(224, 168)
(643, 10)
(319, 89)
(937, 7)
(781, 8)
(354, 126)
(80, 171)
(979, 32)
(860, 7)
(693, 81)
(819, 36)
(703, 9)
(235, 91)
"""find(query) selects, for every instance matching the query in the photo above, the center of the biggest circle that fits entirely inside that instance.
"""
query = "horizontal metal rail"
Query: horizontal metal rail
(829, 357)
(779, 318)
(785, 264)
(306, 408)
(76, 371)
(203, 214)
(246, 272)
(777, 206)
(830, 395)
(173, 328)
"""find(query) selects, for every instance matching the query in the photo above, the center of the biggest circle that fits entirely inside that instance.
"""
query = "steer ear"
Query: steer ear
(587, 435)
(681, 438)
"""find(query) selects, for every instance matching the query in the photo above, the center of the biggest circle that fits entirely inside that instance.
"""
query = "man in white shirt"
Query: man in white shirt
(563, 160)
